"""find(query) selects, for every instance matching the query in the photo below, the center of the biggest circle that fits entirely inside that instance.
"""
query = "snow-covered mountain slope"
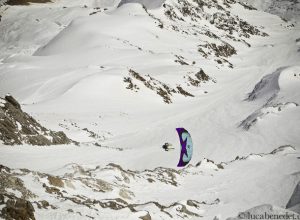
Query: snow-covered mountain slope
(120, 76)
(286, 9)
(204, 190)
(17, 127)
(148, 4)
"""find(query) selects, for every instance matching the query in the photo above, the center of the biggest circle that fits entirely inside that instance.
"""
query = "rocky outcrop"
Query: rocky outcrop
(221, 17)
(17, 127)
(162, 89)
(198, 78)
(294, 202)
(18, 202)
(112, 188)
(286, 9)
(16, 208)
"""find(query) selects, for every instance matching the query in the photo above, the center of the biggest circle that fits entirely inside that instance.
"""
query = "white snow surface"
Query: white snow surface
(148, 4)
(67, 62)
(286, 9)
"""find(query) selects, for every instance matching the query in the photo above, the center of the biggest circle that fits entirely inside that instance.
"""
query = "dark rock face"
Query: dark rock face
(295, 200)
(224, 50)
(12, 206)
(55, 181)
(18, 209)
(8, 181)
(146, 217)
(221, 18)
(198, 78)
(17, 127)
(163, 90)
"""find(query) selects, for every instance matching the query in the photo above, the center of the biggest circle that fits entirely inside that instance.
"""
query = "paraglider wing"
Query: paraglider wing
(186, 145)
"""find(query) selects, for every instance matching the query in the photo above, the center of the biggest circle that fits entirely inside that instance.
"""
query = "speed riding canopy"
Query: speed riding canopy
(186, 145)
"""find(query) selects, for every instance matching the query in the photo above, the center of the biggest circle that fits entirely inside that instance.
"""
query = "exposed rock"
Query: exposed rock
(146, 217)
(14, 207)
(18, 209)
(92, 134)
(52, 190)
(294, 202)
(180, 60)
(198, 78)
(130, 85)
(287, 10)
(162, 89)
(202, 76)
(150, 180)
(283, 149)
(9, 181)
(183, 92)
(86, 178)
(192, 203)
(17, 127)
(221, 18)
(223, 50)
(55, 181)
(183, 209)
(209, 163)
(247, 6)
(12, 101)
(45, 204)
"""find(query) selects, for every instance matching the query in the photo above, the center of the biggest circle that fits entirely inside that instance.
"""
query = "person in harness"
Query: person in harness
(167, 146)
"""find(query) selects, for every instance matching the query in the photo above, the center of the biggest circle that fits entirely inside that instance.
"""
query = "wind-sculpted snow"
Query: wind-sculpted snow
(278, 93)
(85, 40)
(266, 111)
(267, 88)
(85, 191)
(149, 4)
(286, 9)
(92, 40)
(119, 80)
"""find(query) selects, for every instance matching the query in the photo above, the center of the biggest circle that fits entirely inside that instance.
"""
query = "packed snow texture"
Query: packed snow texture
(286, 9)
(148, 4)
(119, 78)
